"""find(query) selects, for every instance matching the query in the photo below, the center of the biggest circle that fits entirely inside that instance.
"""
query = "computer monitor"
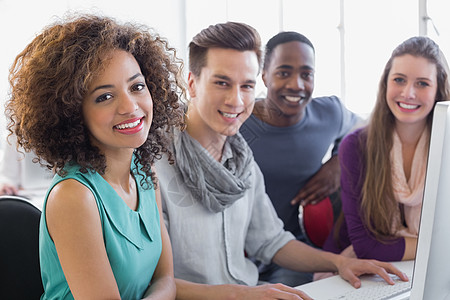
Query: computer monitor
(431, 278)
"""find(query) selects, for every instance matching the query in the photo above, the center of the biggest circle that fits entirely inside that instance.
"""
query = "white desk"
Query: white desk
(332, 286)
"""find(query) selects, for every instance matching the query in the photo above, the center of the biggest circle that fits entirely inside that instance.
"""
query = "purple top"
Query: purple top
(353, 230)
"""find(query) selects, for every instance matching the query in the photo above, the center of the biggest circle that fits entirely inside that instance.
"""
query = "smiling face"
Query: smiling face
(289, 79)
(411, 89)
(118, 106)
(223, 95)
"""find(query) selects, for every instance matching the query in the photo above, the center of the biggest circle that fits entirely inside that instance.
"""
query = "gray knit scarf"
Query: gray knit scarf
(216, 185)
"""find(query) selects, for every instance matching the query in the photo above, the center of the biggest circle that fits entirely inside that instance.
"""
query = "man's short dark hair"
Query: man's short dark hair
(281, 38)
(229, 35)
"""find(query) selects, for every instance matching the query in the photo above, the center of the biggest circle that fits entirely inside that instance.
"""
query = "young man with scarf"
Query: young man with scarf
(214, 202)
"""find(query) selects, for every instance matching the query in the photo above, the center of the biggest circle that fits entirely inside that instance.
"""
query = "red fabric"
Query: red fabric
(318, 221)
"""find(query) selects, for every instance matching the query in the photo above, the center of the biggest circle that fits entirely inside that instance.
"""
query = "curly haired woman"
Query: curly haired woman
(92, 98)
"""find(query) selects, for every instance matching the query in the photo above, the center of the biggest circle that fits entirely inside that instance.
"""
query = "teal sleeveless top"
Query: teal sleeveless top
(132, 238)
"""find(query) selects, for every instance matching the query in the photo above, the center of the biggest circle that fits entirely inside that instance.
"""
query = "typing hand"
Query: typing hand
(349, 252)
(351, 268)
(271, 292)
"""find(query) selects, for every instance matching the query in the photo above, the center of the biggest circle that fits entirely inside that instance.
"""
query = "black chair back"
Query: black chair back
(20, 276)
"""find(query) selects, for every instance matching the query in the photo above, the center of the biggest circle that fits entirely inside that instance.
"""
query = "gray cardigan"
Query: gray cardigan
(213, 248)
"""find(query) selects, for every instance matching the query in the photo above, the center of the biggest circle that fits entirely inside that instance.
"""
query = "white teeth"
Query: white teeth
(227, 115)
(292, 99)
(128, 125)
(407, 106)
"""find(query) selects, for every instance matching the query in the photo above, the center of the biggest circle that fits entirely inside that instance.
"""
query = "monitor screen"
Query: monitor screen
(431, 278)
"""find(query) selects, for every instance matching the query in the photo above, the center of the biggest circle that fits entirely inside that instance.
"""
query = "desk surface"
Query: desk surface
(335, 285)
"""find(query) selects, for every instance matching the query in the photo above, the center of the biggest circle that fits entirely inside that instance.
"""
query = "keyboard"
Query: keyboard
(378, 290)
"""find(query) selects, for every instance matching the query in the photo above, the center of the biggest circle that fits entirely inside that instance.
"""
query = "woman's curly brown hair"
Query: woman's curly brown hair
(49, 80)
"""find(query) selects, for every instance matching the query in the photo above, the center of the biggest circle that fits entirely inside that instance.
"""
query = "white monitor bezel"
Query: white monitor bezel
(432, 265)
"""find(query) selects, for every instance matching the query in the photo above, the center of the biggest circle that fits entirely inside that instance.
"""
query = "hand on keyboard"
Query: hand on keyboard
(350, 269)
(377, 289)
